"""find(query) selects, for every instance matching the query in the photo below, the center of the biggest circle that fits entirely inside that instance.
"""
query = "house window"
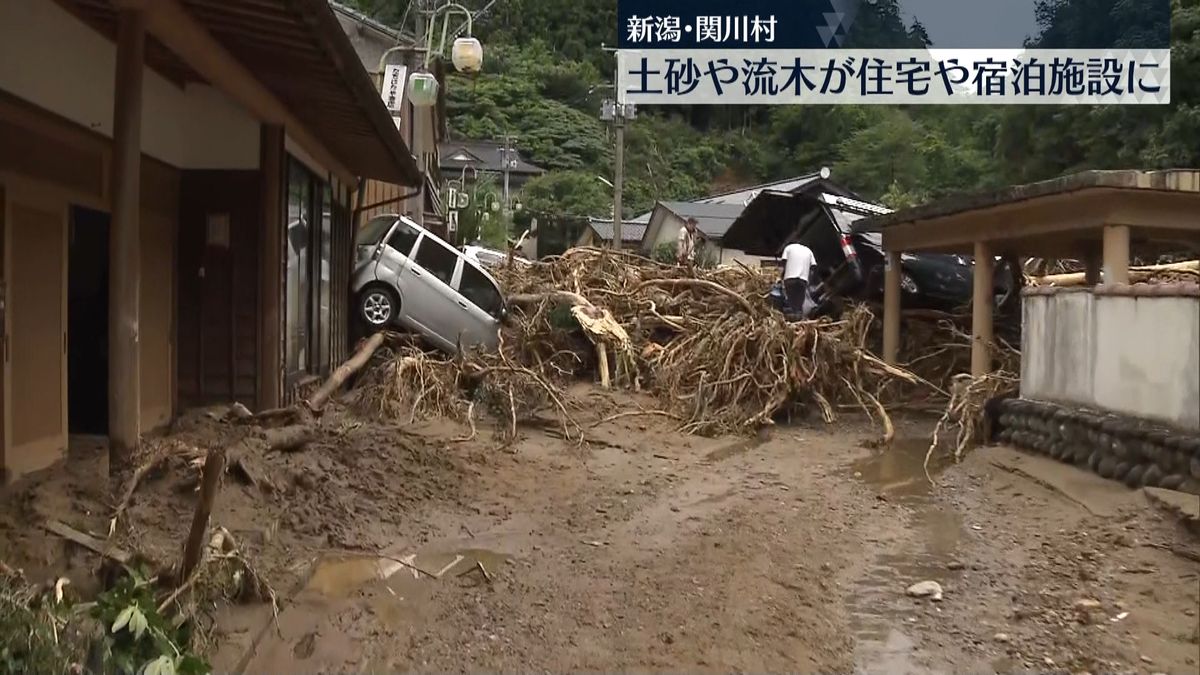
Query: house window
(311, 214)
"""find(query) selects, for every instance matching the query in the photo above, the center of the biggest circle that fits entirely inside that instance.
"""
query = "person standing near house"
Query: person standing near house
(798, 261)
(685, 247)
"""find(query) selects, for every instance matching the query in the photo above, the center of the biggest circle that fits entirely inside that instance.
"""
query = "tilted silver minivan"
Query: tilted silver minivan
(407, 276)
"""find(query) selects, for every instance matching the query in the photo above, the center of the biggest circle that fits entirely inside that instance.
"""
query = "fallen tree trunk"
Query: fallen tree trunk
(1136, 274)
(697, 283)
(303, 411)
(557, 297)
(344, 371)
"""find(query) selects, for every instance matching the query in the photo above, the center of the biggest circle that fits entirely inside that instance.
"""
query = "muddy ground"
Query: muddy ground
(406, 549)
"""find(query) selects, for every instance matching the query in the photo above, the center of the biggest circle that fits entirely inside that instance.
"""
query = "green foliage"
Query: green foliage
(123, 632)
(484, 218)
(706, 256)
(577, 193)
(137, 638)
(36, 634)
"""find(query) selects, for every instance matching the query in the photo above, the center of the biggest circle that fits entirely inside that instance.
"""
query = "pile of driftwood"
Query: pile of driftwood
(706, 343)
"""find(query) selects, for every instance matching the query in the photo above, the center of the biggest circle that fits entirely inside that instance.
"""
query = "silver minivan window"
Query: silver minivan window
(374, 230)
(403, 238)
(437, 259)
(480, 290)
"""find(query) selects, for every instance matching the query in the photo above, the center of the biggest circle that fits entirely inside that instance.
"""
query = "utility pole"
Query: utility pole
(617, 113)
(618, 180)
(508, 162)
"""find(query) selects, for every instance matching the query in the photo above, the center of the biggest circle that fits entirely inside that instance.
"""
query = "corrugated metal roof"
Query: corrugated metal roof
(713, 220)
(630, 232)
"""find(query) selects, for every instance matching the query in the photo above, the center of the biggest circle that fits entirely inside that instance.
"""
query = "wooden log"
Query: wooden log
(1136, 274)
(214, 466)
(557, 297)
(602, 359)
(344, 371)
(697, 283)
(89, 542)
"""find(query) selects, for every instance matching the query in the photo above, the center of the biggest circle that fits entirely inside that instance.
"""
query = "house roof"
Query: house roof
(482, 156)
(1179, 180)
(376, 30)
(631, 232)
(713, 220)
(774, 217)
(804, 183)
(297, 51)
(746, 195)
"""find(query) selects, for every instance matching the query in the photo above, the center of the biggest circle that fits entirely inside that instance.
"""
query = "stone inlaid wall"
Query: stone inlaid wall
(1132, 450)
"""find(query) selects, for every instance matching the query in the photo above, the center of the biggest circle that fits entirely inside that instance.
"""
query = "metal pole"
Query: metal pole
(507, 162)
(618, 175)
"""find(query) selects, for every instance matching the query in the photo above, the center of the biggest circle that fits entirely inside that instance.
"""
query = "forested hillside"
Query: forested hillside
(545, 75)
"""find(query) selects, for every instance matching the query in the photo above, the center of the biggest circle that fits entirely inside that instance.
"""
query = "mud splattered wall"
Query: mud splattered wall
(1136, 353)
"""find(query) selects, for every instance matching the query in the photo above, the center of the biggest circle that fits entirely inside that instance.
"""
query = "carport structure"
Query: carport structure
(1100, 217)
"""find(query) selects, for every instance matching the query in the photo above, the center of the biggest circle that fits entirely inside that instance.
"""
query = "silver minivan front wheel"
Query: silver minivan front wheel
(377, 307)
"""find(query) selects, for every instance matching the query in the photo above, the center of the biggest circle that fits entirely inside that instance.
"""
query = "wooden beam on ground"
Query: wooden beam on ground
(981, 310)
(124, 380)
(98, 546)
(891, 308)
(180, 32)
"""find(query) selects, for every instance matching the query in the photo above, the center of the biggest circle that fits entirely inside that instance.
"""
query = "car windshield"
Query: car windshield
(374, 230)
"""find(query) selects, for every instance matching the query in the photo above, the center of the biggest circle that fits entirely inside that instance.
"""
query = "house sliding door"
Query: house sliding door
(314, 219)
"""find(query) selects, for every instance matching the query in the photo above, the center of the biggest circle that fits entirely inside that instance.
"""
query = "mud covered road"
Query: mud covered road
(647, 550)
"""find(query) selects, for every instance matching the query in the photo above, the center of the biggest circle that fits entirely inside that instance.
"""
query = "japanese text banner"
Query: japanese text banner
(894, 76)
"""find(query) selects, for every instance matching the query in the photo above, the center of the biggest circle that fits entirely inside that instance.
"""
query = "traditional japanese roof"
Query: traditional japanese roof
(482, 156)
(631, 232)
(712, 220)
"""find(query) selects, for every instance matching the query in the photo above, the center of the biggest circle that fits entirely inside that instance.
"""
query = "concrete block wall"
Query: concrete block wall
(1131, 350)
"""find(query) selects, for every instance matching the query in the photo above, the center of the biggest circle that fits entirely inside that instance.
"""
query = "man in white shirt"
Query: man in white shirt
(798, 261)
(685, 247)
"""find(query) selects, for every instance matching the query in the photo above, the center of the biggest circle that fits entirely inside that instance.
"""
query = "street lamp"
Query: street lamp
(466, 55)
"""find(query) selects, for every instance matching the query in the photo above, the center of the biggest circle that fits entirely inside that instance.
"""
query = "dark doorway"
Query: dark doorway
(87, 322)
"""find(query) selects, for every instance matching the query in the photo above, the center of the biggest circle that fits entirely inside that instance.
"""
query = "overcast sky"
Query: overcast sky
(973, 23)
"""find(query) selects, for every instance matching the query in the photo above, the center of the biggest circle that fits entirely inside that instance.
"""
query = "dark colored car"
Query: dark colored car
(850, 264)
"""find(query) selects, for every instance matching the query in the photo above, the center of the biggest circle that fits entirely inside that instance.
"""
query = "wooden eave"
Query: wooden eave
(296, 49)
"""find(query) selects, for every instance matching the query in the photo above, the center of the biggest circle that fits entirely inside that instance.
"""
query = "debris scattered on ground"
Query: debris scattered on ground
(709, 346)
(926, 589)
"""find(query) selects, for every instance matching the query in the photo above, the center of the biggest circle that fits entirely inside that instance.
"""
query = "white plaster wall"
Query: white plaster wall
(53, 60)
(1133, 355)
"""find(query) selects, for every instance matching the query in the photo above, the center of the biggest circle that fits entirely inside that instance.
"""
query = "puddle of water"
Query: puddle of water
(879, 607)
(343, 576)
(736, 448)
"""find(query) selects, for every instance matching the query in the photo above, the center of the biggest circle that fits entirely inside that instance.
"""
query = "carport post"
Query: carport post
(981, 310)
(1116, 254)
(124, 380)
(891, 307)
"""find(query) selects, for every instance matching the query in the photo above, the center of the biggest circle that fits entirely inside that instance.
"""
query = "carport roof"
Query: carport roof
(1052, 217)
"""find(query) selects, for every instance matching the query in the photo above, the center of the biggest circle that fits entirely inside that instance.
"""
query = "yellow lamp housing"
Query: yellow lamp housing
(467, 55)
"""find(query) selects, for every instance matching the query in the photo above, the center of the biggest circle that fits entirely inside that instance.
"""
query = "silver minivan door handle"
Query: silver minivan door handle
(415, 271)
